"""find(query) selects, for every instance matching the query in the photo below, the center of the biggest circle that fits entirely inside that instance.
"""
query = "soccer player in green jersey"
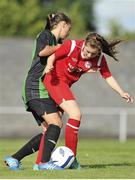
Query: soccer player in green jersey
(35, 96)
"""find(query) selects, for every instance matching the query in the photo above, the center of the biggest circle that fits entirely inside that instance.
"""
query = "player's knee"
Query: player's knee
(53, 119)
(56, 122)
(44, 126)
(44, 129)
(76, 115)
(60, 124)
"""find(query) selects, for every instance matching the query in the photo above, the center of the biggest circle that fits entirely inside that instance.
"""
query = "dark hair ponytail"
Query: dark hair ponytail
(109, 47)
(48, 21)
(53, 19)
(103, 45)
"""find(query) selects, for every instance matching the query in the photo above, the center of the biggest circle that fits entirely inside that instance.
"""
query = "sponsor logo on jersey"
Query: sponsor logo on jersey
(88, 64)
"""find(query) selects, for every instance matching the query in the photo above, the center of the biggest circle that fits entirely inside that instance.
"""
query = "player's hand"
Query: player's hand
(48, 68)
(126, 96)
(58, 46)
(94, 69)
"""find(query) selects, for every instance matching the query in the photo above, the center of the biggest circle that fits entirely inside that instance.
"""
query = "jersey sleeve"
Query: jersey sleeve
(43, 40)
(64, 50)
(104, 71)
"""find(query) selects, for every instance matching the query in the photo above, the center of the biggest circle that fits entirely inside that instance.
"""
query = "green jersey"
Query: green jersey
(33, 87)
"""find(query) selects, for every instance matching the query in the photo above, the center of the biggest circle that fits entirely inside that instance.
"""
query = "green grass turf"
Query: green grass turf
(99, 159)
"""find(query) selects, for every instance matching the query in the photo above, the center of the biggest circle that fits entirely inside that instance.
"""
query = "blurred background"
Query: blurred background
(105, 114)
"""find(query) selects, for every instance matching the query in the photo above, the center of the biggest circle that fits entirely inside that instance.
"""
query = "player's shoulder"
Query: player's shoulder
(79, 43)
(102, 60)
(103, 57)
(76, 41)
(44, 34)
(67, 42)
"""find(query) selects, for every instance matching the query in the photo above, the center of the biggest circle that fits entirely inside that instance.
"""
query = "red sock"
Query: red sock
(40, 152)
(71, 134)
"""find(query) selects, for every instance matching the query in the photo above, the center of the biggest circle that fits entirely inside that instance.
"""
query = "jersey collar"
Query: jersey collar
(81, 50)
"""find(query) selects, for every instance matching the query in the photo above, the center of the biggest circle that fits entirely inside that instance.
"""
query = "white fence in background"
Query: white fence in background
(122, 112)
(123, 117)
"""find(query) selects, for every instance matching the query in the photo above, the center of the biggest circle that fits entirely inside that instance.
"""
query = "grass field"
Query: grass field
(99, 159)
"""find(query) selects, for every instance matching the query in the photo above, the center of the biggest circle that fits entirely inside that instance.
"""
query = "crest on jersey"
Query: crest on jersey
(88, 64)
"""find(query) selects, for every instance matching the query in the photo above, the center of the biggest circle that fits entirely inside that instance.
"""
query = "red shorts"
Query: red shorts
(57, 89)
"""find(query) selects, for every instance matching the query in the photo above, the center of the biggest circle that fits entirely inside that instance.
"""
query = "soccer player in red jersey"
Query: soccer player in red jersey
(65, 67)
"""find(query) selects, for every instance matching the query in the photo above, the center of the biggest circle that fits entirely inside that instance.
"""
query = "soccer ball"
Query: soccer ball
(63, 157)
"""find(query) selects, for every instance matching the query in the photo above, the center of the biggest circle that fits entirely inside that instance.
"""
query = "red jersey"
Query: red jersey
(69, 68)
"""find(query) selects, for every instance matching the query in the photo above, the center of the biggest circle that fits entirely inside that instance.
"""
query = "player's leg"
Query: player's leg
(52, 134)
(39, 157)
(72, 128)
(47, 110)
(61, 93)
(64, 97)
(29, 148)
(41, 146)
(13, 161)
(33, 145)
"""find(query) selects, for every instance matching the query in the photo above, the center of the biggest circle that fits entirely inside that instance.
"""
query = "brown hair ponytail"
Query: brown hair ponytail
(102, 44)
(54, 18)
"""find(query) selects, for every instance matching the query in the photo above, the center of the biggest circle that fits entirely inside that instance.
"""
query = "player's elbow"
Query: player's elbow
(42, 54)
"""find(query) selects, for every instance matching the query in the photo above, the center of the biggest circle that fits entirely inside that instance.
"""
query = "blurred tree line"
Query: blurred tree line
(26, 18)
(117, 30)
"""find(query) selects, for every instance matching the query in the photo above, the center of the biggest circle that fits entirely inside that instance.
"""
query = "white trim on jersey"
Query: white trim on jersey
(82, 52)
(73, 44)
(100, 60)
